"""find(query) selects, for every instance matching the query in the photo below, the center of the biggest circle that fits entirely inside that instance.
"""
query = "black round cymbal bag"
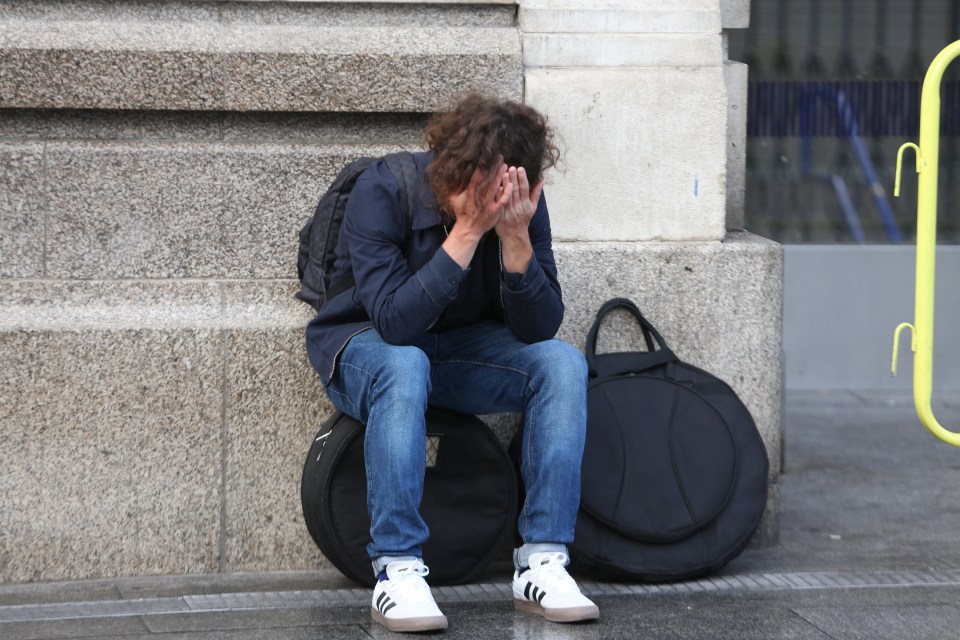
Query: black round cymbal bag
(674, 473)
(469, 496)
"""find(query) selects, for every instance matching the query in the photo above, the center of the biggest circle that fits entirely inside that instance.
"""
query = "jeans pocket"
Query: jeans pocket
(343, 402)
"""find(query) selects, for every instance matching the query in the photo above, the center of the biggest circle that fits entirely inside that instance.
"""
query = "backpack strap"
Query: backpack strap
(404, 169)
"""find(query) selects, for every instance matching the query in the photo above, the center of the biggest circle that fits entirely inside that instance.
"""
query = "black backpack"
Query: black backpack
(674, 474)
(469, 497)
(319, 236)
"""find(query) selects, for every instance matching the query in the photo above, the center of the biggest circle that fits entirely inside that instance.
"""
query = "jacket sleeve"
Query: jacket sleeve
(401, 303)
(532, 302)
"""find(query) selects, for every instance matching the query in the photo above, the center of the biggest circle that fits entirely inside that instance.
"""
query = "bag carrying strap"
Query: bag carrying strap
(403, 167)
(616, 363)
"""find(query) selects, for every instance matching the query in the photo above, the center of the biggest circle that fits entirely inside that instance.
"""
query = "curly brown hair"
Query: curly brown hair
(481, 132)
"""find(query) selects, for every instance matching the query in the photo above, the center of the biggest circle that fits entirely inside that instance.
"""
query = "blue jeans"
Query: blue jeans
(479, 369)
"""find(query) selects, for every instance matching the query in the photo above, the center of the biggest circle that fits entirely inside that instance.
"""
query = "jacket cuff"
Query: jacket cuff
(518, 286)
(441, 278)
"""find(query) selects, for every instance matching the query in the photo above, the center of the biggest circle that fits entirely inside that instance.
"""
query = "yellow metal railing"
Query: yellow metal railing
(927, 155)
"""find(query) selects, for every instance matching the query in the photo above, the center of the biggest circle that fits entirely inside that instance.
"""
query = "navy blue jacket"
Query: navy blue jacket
(407, 284)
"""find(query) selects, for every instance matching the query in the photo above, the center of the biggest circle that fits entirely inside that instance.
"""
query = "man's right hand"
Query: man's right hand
(476, 213)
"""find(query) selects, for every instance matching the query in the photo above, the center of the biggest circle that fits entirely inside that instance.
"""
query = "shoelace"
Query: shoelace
(408, 585)
(554, 576)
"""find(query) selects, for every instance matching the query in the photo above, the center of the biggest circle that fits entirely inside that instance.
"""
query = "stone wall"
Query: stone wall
(157, 161)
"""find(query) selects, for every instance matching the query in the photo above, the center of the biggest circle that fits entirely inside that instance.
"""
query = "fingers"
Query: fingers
(523, 185)
(535, 194)
(515, 202)
(524, 200)
(504, 189)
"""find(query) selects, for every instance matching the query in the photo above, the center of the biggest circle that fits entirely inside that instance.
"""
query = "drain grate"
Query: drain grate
(472, 593)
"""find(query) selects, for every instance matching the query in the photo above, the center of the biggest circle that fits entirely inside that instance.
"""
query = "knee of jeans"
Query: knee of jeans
(404, 371)
(561, 363)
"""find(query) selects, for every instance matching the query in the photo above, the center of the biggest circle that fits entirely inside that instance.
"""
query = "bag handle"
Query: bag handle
(655, 342)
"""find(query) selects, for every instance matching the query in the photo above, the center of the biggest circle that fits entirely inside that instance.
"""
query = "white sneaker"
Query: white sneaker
(547, 590)
(403, 601)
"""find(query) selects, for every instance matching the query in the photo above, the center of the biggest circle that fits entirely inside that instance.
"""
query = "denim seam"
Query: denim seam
(533, 413)
(373, 386)
(481, 363)
(345, 399)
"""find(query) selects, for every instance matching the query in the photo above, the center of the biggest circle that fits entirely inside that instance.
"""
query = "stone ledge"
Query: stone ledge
(187, 407)
(287, 67)
(122, 305)
(323, 12)
(623, 16)
(621, 50)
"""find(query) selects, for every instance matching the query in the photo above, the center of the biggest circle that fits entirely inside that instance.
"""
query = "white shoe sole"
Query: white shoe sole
(568, 614)
(409, 625)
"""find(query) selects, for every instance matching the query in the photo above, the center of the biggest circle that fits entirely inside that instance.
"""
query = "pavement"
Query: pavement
(869, 548)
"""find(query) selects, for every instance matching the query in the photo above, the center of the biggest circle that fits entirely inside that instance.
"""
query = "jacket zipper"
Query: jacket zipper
(503, 307)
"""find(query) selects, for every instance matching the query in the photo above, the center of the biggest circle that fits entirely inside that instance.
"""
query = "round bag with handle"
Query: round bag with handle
(674, 474)
(469, 496)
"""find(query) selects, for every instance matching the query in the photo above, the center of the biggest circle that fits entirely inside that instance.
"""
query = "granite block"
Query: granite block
(395, 129)
(367, 14)
(39, 75)
(339, 14)
(21, 210)
(94, 124)
(202, 65)
(716, 304)
(163, 210)
(767, 533)
(110, 451)
(389, 129)
(275, 406)
(94, 10)
(133, 210)
(269, 193)
(380, 81)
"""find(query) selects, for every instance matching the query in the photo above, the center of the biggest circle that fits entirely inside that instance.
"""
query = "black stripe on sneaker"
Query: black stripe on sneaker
(380, 599)
(541, 595)
(388, 607)
(526, 590)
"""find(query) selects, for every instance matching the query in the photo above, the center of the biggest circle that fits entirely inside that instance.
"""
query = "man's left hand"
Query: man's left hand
(513, 226)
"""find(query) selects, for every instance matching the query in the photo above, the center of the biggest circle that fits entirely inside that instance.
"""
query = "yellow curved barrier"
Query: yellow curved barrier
(922, 328)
